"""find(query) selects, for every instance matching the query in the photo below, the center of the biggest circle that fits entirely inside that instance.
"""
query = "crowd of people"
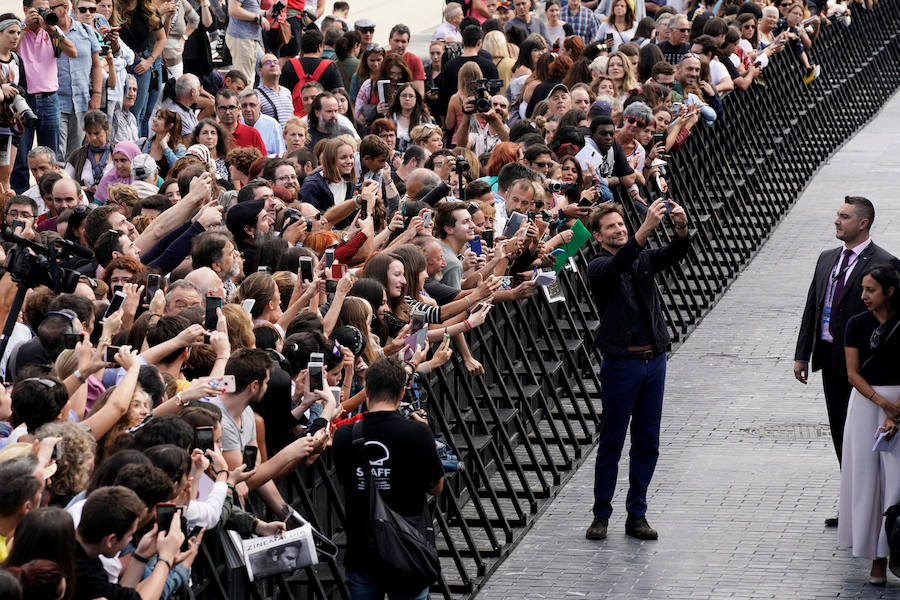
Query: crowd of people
(263, 253)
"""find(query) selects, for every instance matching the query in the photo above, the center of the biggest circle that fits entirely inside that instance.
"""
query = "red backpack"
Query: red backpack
(303, 78)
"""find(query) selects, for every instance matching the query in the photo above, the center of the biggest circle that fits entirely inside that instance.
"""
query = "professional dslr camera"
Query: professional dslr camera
(20, 109)
(484, 89)
(48, 16)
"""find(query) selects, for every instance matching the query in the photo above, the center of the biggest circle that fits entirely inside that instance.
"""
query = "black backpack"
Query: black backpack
(402, 553)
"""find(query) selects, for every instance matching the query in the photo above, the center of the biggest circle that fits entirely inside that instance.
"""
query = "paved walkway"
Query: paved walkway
(746, 474)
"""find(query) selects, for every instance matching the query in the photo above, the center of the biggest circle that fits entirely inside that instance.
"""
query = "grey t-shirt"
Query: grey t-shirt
(452, 273)
(234, 437)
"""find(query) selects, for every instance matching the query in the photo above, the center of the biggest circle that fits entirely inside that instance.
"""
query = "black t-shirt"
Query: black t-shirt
(330, 78)
(448, 79)
(404, 466)
(137, 33)
(673, 54)
(442, 294)
(91, 581)
(882, 368)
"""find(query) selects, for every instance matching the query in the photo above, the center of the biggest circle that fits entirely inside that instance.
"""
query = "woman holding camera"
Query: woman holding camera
(870, 481)
(12, 101)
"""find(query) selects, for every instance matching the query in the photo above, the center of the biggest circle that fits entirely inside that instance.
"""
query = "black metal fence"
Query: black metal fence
(523, 427)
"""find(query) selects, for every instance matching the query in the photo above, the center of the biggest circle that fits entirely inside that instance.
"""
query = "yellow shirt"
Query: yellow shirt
(3, 551)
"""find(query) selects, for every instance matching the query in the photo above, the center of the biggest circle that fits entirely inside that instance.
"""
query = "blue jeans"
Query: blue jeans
(363, 587)
(47, 109)
(146, 96)
(631, 389)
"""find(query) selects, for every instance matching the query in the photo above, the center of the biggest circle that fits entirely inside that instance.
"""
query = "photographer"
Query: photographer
(14, 107)
(481, 127)
(40, 45)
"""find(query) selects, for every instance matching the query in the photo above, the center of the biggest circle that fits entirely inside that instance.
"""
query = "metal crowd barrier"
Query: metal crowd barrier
(522, 428)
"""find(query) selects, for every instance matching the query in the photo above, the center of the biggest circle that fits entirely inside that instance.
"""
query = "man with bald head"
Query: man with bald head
(420, 178)
(208, 282)
(66, 194)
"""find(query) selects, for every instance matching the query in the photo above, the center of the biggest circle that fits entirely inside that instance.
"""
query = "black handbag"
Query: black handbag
(402, 553)
(892, 527)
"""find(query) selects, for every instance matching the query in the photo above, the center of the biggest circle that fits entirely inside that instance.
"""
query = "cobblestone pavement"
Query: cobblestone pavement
(747, 473)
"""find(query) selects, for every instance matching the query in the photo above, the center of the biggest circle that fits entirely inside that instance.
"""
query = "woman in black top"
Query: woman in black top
(870, 480)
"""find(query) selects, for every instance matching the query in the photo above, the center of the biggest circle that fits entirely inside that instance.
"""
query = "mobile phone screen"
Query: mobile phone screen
(314, 371)
(329, 257)
(203, 438)
(115, 304)
(153, 281)
(212, 319)
(110, 353)
(249, 457)
(165, 511)
(306, 268)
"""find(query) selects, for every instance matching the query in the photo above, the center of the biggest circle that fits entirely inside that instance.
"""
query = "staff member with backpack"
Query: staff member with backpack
(402, 463)
(309, 67)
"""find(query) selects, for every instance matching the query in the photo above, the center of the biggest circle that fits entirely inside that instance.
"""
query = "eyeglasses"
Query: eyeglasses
(636, 122)
(289, 177)
(270, 63)
(544, 164)
(227, 108)
(16, 214)
(87, 9)
(748, 26)
(669, 84)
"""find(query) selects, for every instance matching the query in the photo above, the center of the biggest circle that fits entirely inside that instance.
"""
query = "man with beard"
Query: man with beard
(227, 113)
(216, 250)
(632, 338)
(248, 222)
(323, 120)
(250, 368)
(481, 132)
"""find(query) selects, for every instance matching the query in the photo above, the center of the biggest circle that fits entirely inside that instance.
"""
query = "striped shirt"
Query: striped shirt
(277, 105)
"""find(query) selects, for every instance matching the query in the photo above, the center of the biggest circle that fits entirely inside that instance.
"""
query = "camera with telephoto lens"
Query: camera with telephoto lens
(484, 89)
(557, 187)
(49, 17)
(20, 108)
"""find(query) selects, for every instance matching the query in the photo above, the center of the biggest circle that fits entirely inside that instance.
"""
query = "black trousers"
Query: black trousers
(837, 397)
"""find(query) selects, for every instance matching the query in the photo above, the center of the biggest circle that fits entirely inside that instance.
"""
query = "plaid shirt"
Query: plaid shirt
(584, 23)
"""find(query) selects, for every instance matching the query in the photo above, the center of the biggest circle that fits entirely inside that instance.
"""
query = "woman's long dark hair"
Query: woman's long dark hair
(420, 112)
(525, 54)
(46, 533)
(373, 292)
(650, 55)
(887, 277)
(222, 144)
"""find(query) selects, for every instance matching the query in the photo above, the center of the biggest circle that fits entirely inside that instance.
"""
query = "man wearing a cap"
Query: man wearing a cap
(582, 20)
(504, 12)
(366, 29)
(559, 100)
(449, 29)
(143, 174)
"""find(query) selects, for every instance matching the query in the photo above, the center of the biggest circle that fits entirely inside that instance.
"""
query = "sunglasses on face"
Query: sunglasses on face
(684, 29)
(87, 9)
(636, 122)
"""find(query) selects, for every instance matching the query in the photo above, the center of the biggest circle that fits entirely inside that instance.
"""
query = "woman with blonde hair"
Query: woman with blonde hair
(357, 312)
(429, 137)
(334, 183)
(239, 325)
(295, 134)
(495, 43)
(619, 69)
(469, 73)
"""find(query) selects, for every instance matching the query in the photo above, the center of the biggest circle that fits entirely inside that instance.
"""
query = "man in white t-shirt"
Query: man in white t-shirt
(705, 45)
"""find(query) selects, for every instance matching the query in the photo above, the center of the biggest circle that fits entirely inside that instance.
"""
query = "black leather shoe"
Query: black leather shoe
(639, 528)
(831, 522)
(597, 529)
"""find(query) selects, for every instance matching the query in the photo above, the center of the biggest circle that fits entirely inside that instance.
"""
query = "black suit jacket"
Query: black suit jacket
(809, 341)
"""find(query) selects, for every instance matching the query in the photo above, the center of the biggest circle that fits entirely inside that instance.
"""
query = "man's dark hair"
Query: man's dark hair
(385, 380)
(531, 139)
(414, 152)
(166, 429)
(471, 35)
(154, 202)
(297, 348)
(332, 34)
(310, 41)
(601, 120)
(268, 172)
(112, 509)
(401, 29)
(232, 75)
(81, 306)
(532, 152)
(662, 68)
(716, 26)
(249, 191)
(863, 207)
(20, 200)
(520, 129)
(313, 118)
(50, 333)
(443, 216)
(36, 305)
(601, 210)
(172, 460)
(18, 484)
(374, 147)
(150, 483)
(303, 156)
(228, 92)
(167, 328)
(708, 42)
(248, 365)
(340, 5)
(48, 180)
(152, 383)
(109, 241)
(511, 172)
(208, 248)
(477, 188)
(187, 175)
(97, 222)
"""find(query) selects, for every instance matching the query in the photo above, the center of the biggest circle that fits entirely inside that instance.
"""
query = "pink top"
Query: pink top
(36, 49)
